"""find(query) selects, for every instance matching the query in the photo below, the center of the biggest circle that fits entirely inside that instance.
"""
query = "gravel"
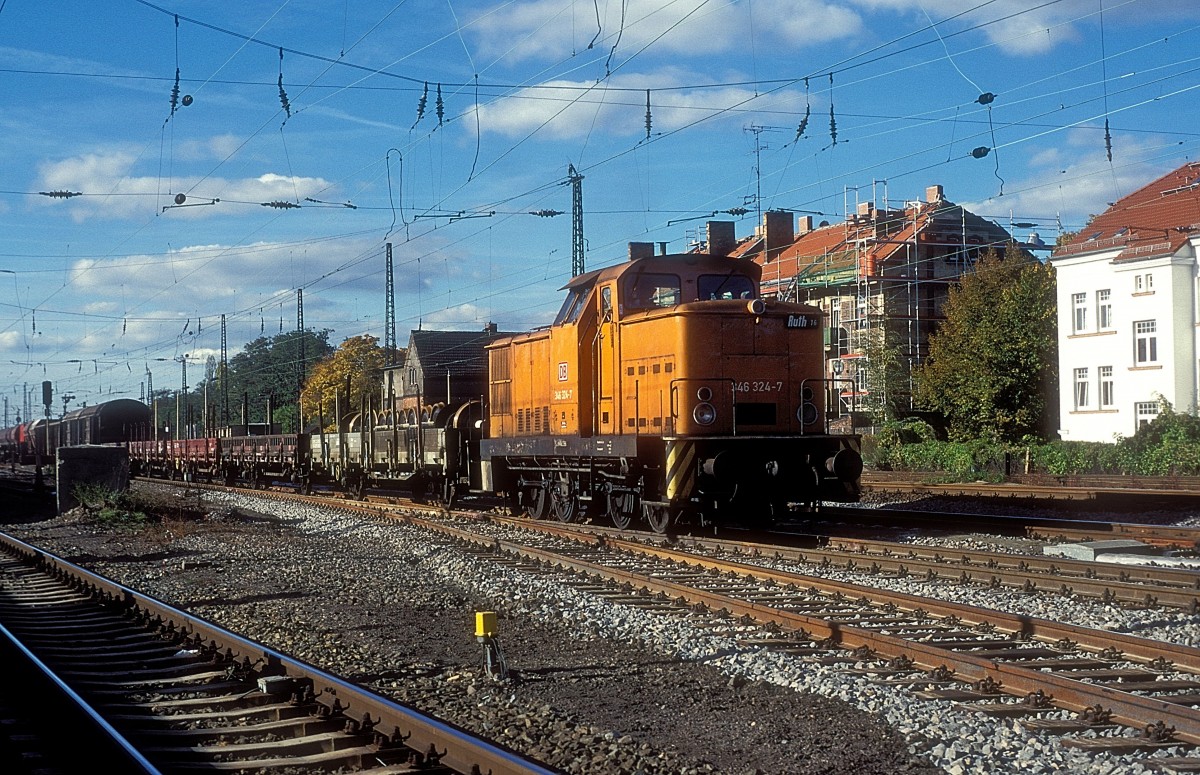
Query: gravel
(596, 686)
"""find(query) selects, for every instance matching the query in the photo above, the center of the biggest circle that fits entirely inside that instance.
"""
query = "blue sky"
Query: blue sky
(305, 136)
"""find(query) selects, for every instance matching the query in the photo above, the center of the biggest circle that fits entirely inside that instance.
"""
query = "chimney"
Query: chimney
(805, 225)
(865, 209)
(490, 328)
(778, 232)
(721, 239)
(934, 194)
(640, 250)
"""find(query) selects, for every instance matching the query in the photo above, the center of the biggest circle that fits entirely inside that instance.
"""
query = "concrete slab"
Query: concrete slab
(100, 465)
(1092, 550)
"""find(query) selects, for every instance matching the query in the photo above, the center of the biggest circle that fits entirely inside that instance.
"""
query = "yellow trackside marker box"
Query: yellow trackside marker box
(485, 624)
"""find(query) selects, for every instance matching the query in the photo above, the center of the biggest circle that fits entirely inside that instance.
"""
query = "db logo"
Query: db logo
(562, 372)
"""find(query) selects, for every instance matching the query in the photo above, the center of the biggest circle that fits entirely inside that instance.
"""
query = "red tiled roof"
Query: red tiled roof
(1152, 221)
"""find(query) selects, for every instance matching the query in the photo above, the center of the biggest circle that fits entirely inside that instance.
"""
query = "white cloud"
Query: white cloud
(550, 30)
(1018, 28)
(619, 113)
(113, 190)
(1075, 186)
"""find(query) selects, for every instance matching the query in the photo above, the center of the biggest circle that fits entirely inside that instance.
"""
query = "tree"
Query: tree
(992, 365)
(355, 368)
(265, 369)
(887, 375)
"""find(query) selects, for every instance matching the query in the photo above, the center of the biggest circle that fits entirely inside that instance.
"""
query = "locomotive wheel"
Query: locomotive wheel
(449, 494)
(658, 517)
(563, 505)
(535, 502)
(618, 508)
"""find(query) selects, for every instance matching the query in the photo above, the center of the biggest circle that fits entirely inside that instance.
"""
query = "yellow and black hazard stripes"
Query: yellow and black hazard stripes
(681, 469)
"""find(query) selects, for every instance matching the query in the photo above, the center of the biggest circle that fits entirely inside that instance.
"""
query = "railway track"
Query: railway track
(154, 689)
(1126, 490)
(1100, 691)
(1103, 691)
(1043, 528)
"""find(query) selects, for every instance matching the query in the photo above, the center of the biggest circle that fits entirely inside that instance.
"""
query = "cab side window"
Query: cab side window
(651, 289)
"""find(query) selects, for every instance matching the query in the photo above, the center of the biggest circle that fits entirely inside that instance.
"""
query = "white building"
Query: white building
(1128, 312)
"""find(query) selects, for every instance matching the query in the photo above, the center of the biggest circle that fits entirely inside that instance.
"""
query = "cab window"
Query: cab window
(567, 311)
(572, 306)
(724, 286)
(651, 289)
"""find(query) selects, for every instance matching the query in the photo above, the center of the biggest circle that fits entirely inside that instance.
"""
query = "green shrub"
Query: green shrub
(1168, 446)
(112, 507)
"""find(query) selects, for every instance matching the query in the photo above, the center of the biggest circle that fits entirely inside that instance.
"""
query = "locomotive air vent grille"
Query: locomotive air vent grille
(632, 423)
(641, 370)
(670, 367)
(656, 368)
(629, 370)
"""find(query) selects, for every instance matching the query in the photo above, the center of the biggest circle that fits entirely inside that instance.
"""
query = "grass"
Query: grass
(138, 510)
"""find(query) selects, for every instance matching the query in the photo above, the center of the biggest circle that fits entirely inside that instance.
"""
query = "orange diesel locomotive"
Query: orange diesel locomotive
(667, 390)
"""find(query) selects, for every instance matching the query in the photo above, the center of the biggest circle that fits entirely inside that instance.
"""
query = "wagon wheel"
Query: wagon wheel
(535, 501)
(564, 506)
(657, 516)
(355, 485)
(304, 484)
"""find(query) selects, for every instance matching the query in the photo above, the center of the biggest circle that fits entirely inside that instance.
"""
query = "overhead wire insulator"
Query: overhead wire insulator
(736, 211)
(545, 213)
(981, 152)
(60, 194)
(832, 120)
(283, 99)
(807, 112)
(987, 98)
(421, 104)
(281, 205)
(648, 117)
(175, 93)
(441, 107)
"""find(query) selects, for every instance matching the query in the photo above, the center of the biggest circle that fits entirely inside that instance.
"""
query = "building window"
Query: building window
(1145, 349)
(1143, 283)
(1079, 312)
(1106, 387)
(1145, 411)
(1104, 319)
(1081, 388)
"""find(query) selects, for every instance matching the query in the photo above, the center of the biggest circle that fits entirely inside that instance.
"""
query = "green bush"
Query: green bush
(1168, 446)
(112, 507)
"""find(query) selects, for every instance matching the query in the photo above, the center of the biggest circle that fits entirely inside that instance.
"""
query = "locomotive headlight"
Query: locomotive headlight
(807, 414)
(704, 414)
(704, 393)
